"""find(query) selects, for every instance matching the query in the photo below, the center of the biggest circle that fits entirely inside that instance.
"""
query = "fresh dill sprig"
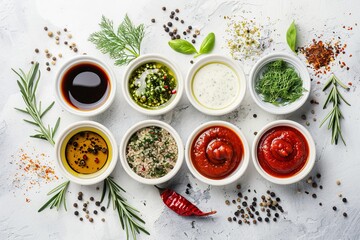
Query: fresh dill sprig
(335, 115)
(280, 84)
(28, 84)
(58, 198)
(128, 215)
(122, 45)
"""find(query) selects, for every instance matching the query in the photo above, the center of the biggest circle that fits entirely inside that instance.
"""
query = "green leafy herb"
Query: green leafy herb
(185, 47)
(182, 46)
(128, 215)
(28, 84)
(207, 45)
(122, 45)
(280, 84)
(335, 115)
(58, 199)
(291, 36)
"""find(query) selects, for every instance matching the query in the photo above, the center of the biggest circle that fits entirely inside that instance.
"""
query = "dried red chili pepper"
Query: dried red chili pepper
(180, 204)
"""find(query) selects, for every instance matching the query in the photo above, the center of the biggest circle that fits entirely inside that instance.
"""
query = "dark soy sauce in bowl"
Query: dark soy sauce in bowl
(85, 86)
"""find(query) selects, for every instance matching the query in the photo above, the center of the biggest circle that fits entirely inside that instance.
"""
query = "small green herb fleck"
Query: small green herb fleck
(291, 36)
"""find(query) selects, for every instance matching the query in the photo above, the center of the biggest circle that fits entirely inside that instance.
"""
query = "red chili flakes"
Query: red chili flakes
(321, 55)
(32, 171)
(350, 83)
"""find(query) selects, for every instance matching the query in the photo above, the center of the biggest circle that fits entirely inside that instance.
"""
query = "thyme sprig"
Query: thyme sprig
(122, 45)
(128, 215)
(335, 115)
(28, 84)
(58, 199)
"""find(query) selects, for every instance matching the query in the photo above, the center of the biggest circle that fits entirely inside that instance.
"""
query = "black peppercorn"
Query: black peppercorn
(182, 21)
(334, 208)
(177, 10)
(75, 205)
(172, 13)
(344, 200)
(190, 27)
(272, 194)
(239, 222)
(314, 195)
(164, 8)
(95, 212)
(97, 203)
(153, 20)
(259, 219)
(193, 41)
(102, 208)
(76, 213)
(176, 18)
(267, 219)
(345, 214)
(79, 198)
(171, 16)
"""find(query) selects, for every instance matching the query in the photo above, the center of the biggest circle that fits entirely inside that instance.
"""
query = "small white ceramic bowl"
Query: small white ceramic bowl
(233, 176)
(77, 61)
(173, 101)
(67, 134)
(216, 59)
(308, 165)
(299, 67)
(134, 129)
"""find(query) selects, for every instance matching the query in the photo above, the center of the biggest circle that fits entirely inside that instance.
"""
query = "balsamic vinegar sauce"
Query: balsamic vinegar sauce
(85, 86)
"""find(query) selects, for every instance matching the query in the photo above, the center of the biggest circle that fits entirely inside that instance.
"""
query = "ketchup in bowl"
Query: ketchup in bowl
(282, 151)
(216, 152)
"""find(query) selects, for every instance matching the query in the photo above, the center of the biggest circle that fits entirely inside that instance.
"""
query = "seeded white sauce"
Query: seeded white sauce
(215, 85)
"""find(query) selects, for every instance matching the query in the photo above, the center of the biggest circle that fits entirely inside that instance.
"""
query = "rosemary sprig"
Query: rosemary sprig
(124, 44)
(58, 198)
(335, 115)
(128, 215)
(28, 84)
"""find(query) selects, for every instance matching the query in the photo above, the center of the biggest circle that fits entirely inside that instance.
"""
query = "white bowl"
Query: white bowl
(65, 136)
(76, 61)
(134, 129)
(299, 67)
(308, 165)
(234, 175)
(216, 59)
(173, 101)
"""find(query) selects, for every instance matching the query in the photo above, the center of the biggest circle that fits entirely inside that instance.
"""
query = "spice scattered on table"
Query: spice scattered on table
(53, 56)
(33, 170)
(89, 210)
(176, 27)
(255, 209)
(246, 39)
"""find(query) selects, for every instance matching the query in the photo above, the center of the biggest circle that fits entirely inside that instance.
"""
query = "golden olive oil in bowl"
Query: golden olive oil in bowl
(86, 152)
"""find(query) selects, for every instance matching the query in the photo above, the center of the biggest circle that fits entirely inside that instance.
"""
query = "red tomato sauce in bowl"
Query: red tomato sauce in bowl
(282, 151)
(216, 152)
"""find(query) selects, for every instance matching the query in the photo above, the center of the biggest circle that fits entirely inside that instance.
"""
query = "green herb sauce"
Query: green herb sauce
(152, 85)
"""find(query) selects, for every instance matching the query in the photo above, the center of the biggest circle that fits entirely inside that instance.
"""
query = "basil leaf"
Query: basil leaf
(182, 46)
(208, 44)
(291, 36)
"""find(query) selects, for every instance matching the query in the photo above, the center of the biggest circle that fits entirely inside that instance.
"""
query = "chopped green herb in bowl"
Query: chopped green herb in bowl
(279, 84)
(152, 85)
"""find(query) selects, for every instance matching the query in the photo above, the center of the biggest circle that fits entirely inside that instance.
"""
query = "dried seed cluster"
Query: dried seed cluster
(51, 57)
(267, 208)
(174, 32)
(86, 212)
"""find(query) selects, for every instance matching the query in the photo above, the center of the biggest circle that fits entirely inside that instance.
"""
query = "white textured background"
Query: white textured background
(21, 31)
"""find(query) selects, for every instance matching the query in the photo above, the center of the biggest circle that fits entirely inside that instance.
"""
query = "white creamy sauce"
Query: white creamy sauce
(215, 85)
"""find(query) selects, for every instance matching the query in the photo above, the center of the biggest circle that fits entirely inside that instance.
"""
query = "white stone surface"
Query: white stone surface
(21, 31)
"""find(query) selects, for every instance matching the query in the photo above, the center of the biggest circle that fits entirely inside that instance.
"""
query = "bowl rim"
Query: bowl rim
(135, 128)
(80, 124)
(148, 58)
(235, 66)
(298, 66)
(77, 60)
(241, 169)
(303, 172)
